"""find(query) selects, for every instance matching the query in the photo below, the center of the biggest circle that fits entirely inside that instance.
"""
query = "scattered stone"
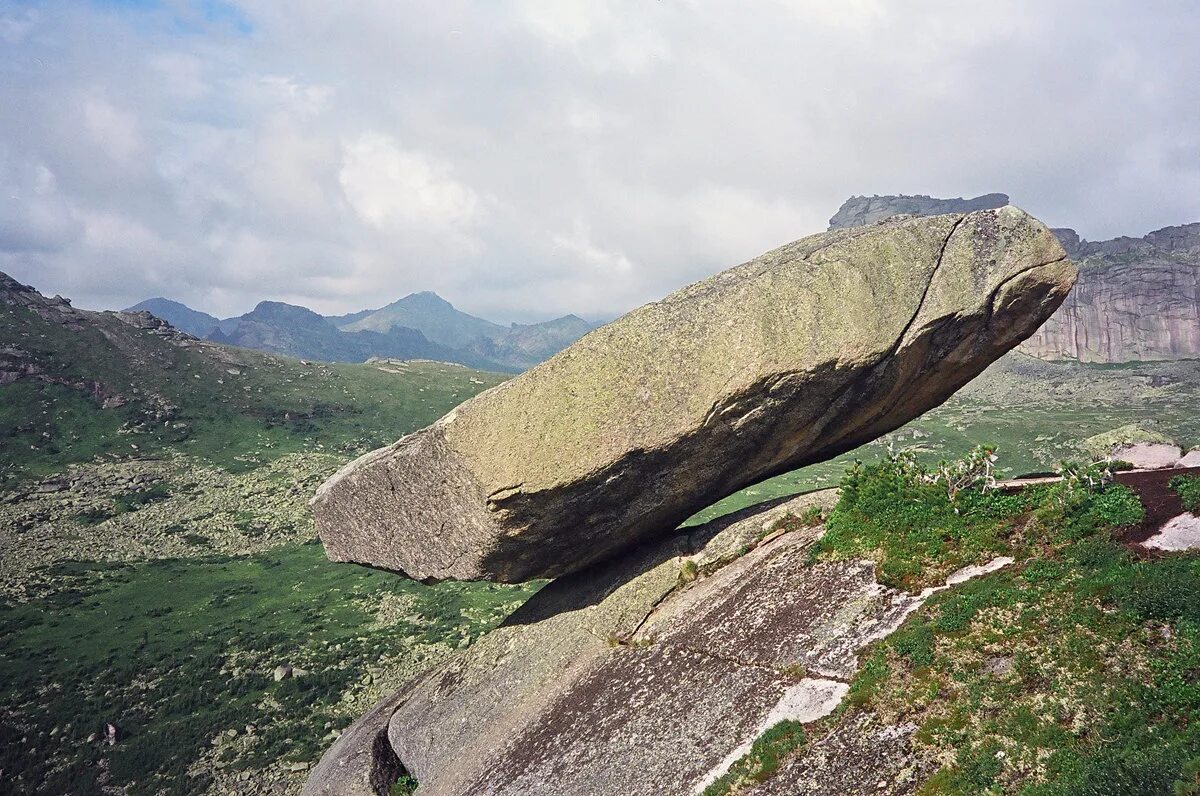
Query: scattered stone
(1108, 444)
(282, 672)
(790, 359)
(998, 665)
(112, 734)
(1149, 455)
(1190, 459)
(1179, 533)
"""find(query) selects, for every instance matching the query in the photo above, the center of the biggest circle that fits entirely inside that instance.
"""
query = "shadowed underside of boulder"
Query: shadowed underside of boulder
(627, 679)
(792, 358)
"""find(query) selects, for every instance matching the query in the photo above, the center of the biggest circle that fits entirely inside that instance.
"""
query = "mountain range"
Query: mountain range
(419, 326)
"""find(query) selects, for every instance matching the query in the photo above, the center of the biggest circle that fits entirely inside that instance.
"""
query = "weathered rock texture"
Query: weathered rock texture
(633, 679)
(861, 211)
(1136, 299)
(806, 352)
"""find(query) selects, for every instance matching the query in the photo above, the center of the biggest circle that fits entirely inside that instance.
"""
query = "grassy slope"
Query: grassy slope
(180, 651)
(1073, 672)
(272, 406)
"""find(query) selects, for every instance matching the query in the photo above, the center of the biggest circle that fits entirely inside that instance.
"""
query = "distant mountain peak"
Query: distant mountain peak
(859, 211)
(181, 316)
(425, 300)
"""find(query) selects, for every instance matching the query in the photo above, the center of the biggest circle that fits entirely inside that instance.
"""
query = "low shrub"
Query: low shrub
(1188, 489)
(405, 786)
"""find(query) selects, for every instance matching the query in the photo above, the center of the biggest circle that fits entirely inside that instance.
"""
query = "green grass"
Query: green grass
(1076, 671)
(187, 399)
(763, 760)
(177, 651)
(405, 786)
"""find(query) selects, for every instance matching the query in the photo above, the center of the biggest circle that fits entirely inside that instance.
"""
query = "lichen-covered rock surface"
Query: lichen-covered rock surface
(801, 354)
(650, 674)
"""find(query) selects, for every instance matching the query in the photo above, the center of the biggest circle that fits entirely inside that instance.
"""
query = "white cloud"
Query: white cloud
(528, 159)
(578, 245)
(113, 130)
(34, 216)
(391, 186)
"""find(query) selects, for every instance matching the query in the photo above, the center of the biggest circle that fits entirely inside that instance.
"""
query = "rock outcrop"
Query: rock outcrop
(803, 353)
(649, 674)
(1136, 299)
(861, 211)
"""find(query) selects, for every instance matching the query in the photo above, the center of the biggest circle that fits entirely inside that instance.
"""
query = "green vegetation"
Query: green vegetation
(405, 786)
(1188, 489)
(920, 526)
(232, 407)
(1035, 413)
(178, 652)
(1074, 671)
(897, 512)
(763, 759)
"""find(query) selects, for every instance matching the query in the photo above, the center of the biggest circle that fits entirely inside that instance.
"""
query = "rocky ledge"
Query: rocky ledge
(671, 660)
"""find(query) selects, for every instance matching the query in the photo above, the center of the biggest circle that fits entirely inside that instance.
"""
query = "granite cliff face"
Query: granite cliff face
(1136, 299)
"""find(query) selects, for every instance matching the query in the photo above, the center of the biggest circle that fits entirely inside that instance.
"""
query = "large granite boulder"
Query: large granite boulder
(801, 354)
(652, 673)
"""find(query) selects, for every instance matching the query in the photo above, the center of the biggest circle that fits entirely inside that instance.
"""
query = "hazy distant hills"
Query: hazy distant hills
(859, 211)
(1137, 299)
(418, 326)
(517, 346)
(435, 317)
(182, 317)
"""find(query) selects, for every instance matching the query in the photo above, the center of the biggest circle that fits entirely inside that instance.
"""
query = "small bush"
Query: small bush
(132, 501)
(688, 571)
(1085, 502)
(915, 642)
(1188, 489)
(405, 786)
(812, 516)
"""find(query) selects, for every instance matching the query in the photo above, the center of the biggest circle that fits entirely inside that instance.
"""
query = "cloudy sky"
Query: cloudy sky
(531, 158)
